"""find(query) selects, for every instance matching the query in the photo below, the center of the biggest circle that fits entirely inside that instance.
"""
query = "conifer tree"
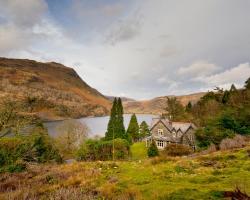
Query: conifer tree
(189, 107)
(112, 122)
(233, 88)
(226, 97)
(144, 130)
(153, 150)
(133, 129)
(247, 83)
(121, 133)
(116, 125)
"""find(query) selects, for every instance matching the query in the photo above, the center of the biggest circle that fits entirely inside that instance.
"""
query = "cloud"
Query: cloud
(236, 75)
(123, 31)
(162, 80)
(199, 68)
(16, 31)
(11, 38)
(142, 48)
(23, 13)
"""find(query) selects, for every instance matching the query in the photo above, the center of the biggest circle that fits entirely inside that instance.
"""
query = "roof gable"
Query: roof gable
(163, 121)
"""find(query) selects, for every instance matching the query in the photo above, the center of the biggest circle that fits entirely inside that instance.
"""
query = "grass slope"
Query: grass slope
(200, 177)
(56, 91)
(139, 151)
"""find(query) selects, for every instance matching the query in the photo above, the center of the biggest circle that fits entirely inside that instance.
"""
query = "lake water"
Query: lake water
(98, 125)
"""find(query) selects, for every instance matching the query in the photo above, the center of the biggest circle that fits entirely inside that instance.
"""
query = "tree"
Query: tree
(112, 122)
(144, 130)
(116, 127)
(121, 133)
(247, 83)
(133, 129)
(72, 135)
(174, 109)
(226, 97)
(153, 150)
(233, 88)
(42, 147)
(189, 107)
(10, 120)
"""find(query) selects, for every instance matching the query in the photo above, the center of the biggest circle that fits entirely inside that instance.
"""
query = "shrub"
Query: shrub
(212, 148)
(92, 150)
(230, 143)
(36, 147)
(177, 150)
(153, 150)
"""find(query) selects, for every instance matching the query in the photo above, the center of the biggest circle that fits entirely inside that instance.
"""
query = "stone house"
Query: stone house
(165, 132)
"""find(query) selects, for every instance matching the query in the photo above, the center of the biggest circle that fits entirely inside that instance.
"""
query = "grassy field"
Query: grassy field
(199, 177)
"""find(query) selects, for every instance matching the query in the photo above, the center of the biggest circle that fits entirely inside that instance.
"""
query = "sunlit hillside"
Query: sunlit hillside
(50, 90)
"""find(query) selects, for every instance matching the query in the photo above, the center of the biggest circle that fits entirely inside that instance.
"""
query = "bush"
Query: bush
(36, 147)
(93, 150)
(230, 143)
(153, 150)
(211, 135)
(177, 150)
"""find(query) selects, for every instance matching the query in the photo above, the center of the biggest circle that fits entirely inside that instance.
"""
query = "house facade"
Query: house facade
(165, 132)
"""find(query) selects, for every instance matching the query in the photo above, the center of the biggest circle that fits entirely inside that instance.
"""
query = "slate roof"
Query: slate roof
(164, 121)
(172, 126)
(183, 126)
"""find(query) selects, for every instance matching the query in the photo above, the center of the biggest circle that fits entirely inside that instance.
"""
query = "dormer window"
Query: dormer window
(174, 134)
(160, 132)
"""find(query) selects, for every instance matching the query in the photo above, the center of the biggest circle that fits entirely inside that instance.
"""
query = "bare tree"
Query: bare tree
(71, 135)
(11, 121)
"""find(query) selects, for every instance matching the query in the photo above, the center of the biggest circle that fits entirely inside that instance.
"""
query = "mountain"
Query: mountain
(50, 90)
(124, 99)
(157, 105)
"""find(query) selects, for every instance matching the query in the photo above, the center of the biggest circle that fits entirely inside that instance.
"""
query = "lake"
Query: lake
(98, 125)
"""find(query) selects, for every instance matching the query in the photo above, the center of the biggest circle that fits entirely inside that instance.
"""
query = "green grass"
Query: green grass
(200, 177)
(139, 151)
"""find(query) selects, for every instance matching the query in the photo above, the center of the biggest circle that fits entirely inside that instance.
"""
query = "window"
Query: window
(174, 134)
(160, 132)
(160, 143)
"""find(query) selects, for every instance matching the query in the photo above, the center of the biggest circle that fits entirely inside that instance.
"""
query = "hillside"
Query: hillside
(50, 90)
(211, 176)
(157, 105)
(124, 99)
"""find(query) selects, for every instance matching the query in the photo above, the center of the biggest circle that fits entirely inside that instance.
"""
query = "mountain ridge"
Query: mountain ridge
(58, 90)
(157, 105)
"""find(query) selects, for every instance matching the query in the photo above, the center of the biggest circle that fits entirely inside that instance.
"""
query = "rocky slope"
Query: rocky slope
(49, 90)
(157, 105)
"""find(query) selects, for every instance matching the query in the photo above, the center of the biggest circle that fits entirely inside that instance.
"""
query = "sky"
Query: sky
(135, 48)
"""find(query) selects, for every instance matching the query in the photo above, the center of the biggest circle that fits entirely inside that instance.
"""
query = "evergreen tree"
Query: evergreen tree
(133, 129)
(144, 130)
(153, 150)
(112, 122)
(115, 125)
(233, 88)
(247, 83)
(189, 107)
(121, 133)
(226, 97)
